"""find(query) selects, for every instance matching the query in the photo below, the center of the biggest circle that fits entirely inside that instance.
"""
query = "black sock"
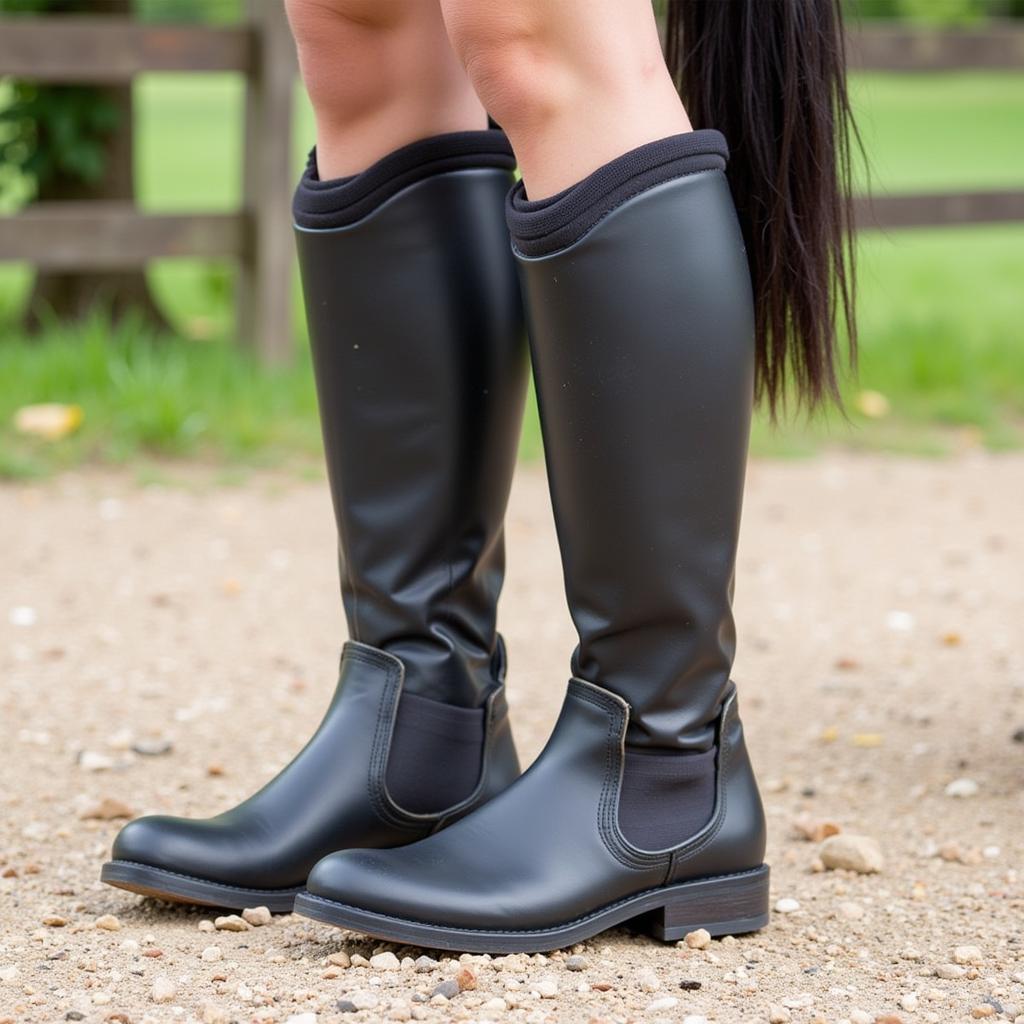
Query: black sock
(541, 227)
(336, 204)
(436, 754)
(667, 796)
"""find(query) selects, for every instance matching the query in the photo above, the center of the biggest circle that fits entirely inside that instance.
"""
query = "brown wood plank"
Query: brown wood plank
(264, 292)
(101, 235)
(100, 49)
(910, 211)
(895, 47)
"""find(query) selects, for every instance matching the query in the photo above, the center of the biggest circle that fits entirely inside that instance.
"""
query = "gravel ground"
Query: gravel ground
(167, 648)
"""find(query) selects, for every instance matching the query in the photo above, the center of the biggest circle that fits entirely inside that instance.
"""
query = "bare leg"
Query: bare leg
(574, 83)
(380, 74)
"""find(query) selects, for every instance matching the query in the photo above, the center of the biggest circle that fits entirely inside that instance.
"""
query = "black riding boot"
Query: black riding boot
(419, 350)
(643, 804)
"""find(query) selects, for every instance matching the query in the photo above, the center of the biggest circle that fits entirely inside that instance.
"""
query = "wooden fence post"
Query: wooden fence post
(264, 293)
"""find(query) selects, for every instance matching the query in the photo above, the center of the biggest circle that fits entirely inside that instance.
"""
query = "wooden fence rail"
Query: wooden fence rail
(113, 235)
(102, 235)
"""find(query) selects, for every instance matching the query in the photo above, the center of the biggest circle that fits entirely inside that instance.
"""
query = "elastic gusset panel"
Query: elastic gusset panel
(343, 201)
(541, 227)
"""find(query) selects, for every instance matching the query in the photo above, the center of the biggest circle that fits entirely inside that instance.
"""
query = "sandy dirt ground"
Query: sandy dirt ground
(168, 648)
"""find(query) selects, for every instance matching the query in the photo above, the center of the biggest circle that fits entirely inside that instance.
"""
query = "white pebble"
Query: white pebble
(648, 980)
(385, 962)
(852, 853)
(787, 905)
(909, 1002)
(22, 615)
(547, 988)
(301, 1018)
(860, 1017)
(899, 622)
(778, 1014)
(700, 939)
(231, 923)
(211, 953)
(163, 990)
(257, 916)
(664, 1003)
(962, 788)
(967, 955)
(91, 761)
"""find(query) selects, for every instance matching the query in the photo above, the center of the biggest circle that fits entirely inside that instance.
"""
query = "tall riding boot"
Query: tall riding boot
(420, 358)
(643, 804)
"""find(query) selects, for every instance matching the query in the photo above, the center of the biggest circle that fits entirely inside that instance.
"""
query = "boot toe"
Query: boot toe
(178, 845)
(358, 878)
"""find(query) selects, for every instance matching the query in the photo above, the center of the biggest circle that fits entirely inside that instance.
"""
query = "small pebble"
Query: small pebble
(648, 980)
(664, 1003)
(689, 985)
(984, 1010)
(385, 962)
(108, 923)
(950, 972)
(340, 959)
(962, 788)
(152, 748)
(576, 963)
(163, 990)
(700, 939)
(787, 905)
(778, 1014)
(909, 1002)
(257, 916)
(496, 1005)
(547, 988)
(205, 926)
(465, 979)
(231, 923)
(210, 954)
(967, 955)
(425, 964)
(301, 1018)
(852, 853)
(108, 809)
(346, 1006)
(449, 989)
(54, 921)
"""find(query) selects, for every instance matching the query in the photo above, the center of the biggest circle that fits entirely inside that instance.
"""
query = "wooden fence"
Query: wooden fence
(998, 45)
(105, 235)
(102, 235)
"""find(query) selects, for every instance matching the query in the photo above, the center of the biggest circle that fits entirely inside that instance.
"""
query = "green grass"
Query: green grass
(940, 310)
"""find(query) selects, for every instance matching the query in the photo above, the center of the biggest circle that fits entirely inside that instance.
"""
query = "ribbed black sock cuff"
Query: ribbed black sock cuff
(544, 226)
(343, 201)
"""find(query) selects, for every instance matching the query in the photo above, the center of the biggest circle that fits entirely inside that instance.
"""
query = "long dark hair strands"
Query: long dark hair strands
(771, 75)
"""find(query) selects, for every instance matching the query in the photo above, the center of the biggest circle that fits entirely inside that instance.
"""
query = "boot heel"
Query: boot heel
(730, 905)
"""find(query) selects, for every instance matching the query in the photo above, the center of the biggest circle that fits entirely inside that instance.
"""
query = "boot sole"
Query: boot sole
(725, 905)
(169, 885)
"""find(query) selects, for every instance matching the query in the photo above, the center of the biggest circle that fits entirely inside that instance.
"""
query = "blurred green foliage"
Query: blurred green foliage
(53, 132)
